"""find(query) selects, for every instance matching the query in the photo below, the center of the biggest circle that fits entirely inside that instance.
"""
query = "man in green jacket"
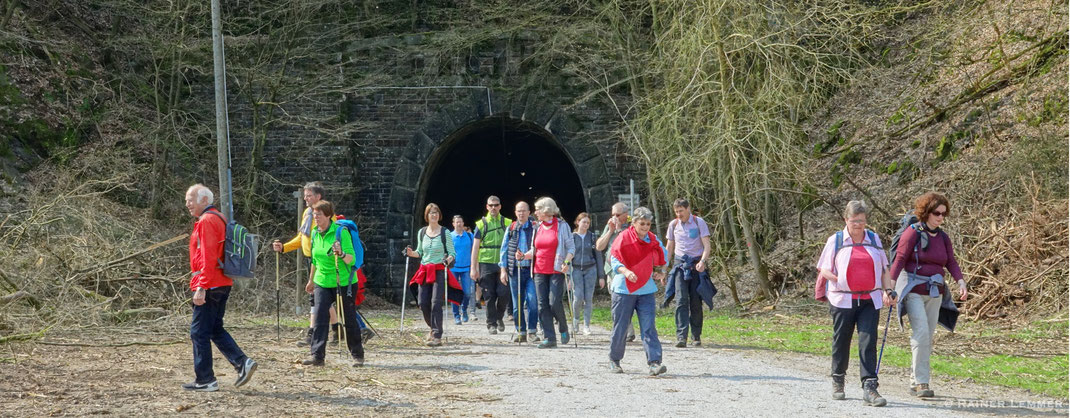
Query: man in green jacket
(490, 230)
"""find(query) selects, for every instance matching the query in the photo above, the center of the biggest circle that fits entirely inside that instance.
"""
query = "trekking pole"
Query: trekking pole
(571, 310)
(366, 322)
(278, 321)
(404, 290)
(338, 307)
(519, 308)
(887, 322)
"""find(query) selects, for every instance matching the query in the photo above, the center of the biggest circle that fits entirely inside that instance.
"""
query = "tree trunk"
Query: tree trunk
(753, 247)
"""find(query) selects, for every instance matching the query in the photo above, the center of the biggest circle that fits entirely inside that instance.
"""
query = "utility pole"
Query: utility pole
(222, 140)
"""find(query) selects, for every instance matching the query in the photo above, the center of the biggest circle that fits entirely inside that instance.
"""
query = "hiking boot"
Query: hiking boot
(435, 342)
(657, 368)
(456, 320)
(564, 338)
(696, 343)
(492, 330)
(520, 338)
(501, 326)
(630, 338)
(837, 387)
(586, 330)
(202, 387)
(246, 372)
(534, 338)
(334, 333)
(312, 361)
(307, 341)
(921, 390)
(614, 367)
(366, 334)
(681, 343)
(870, 397)
(548, 344)
(358, 362)
(464, 316)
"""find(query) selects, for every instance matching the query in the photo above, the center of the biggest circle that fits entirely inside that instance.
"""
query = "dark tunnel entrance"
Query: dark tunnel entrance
(512, 159)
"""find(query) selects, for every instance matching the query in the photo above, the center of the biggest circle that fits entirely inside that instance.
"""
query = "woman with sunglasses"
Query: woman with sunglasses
(923, 253)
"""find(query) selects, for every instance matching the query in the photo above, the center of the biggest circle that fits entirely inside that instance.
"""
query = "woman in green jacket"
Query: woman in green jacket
(331, 260)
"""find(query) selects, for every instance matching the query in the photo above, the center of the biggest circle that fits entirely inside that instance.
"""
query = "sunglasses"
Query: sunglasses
(494, 205)
(940, 214)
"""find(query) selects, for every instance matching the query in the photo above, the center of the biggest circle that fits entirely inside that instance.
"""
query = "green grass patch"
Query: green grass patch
(804, 334)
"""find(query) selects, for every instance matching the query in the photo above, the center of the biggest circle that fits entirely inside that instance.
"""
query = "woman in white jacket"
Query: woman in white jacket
(856, 269)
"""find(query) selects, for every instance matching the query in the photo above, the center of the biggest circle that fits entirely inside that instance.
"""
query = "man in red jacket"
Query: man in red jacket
(210, 292)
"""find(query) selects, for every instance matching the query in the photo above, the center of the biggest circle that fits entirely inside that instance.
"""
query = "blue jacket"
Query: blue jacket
(524, 234)
(463, 246)
(685, 267)
(949, 313)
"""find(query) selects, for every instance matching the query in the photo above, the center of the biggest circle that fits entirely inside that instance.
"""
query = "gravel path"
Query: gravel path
(702, 381)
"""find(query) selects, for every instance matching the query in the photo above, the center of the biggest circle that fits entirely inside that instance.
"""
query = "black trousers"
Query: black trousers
(863, 317)
(431, 299)
(325, 298)
(688, 307)
(494, 292)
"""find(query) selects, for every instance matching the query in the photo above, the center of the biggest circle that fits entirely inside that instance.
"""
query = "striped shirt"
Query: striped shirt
(431, 249)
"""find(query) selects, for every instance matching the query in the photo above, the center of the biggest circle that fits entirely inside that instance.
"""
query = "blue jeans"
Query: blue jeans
(549, 288)
(583, 283)
(528, 299)
(469, 291)
(207, 328)
(623, 307)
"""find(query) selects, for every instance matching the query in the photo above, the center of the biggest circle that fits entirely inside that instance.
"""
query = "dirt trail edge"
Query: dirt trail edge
(473, 374)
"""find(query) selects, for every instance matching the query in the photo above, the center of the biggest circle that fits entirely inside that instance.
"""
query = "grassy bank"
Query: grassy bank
(968, 353)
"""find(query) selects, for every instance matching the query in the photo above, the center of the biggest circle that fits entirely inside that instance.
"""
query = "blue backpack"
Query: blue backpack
(358, 248)
(239, 250)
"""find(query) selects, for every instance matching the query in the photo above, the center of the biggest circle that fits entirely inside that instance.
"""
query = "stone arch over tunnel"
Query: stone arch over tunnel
(556, 158)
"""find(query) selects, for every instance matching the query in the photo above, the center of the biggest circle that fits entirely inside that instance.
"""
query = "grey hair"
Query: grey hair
(855, 207)
(547, 205)
(642, 213)
(203, 193)
(621, 206)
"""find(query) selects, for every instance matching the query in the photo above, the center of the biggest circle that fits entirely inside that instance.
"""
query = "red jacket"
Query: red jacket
(206, 252)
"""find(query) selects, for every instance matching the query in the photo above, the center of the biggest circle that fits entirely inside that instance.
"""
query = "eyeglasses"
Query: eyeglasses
(858, 222)
(618, 214)
(494, 205)
(940, 214)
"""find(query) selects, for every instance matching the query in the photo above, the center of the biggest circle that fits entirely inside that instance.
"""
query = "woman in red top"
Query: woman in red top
(856, 268)
(551, 256)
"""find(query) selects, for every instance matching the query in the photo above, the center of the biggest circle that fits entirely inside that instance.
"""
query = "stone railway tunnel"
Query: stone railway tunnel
(451, 146)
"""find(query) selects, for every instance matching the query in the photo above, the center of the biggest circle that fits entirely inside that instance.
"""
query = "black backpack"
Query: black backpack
(910, 220)
(441, 234)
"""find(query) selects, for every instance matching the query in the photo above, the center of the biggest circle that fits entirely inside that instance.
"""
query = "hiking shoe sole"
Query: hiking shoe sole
(681, 344)
(246, 372)
(312, 362)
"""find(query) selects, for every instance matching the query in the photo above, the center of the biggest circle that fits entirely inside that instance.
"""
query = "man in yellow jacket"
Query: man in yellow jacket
(313, 193)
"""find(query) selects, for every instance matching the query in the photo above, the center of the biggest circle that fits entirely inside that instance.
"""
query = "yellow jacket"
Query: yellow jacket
(302, 239)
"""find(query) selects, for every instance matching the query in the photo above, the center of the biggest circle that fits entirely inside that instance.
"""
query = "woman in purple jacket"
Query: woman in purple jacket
(922, 255)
